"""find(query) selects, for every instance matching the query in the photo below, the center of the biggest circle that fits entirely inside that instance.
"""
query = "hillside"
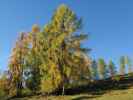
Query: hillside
(99, 90)
(126, 94)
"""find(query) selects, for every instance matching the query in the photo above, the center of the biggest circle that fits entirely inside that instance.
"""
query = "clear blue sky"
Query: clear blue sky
(109, 22)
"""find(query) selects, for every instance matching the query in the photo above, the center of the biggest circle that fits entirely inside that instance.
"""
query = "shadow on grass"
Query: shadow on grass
(98, 88)
(84, 97)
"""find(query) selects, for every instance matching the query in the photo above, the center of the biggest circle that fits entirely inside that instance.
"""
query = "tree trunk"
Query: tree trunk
(63, 90)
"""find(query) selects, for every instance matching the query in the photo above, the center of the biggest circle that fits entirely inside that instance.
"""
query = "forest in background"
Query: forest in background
(53, 58)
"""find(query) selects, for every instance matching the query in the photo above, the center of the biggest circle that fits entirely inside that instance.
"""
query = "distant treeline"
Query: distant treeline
(45, 60)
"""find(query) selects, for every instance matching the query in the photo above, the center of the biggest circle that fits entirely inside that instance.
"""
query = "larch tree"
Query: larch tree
(17, 65)
(122, 65)
(64, 55)
(94, 70)
(102, 68)
(112, 68)
(33, 60)
(128, 63)
(4, 85)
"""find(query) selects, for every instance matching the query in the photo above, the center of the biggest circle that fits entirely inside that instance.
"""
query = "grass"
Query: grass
(126, 94)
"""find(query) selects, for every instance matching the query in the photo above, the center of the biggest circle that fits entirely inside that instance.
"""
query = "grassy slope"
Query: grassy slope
(126, 94)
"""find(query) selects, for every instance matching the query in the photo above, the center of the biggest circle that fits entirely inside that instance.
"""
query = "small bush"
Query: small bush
(2, 94)
(117, 78)
(26, 92)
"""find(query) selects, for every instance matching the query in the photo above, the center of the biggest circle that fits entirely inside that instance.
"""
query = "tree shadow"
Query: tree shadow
(84, 97)
(99, 87)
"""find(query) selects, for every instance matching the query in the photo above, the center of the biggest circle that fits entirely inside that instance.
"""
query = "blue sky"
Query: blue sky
(108, 22)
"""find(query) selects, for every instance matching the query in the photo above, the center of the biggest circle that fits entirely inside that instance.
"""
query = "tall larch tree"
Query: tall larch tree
(33, 60)
(17, 65)
(64, 53)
